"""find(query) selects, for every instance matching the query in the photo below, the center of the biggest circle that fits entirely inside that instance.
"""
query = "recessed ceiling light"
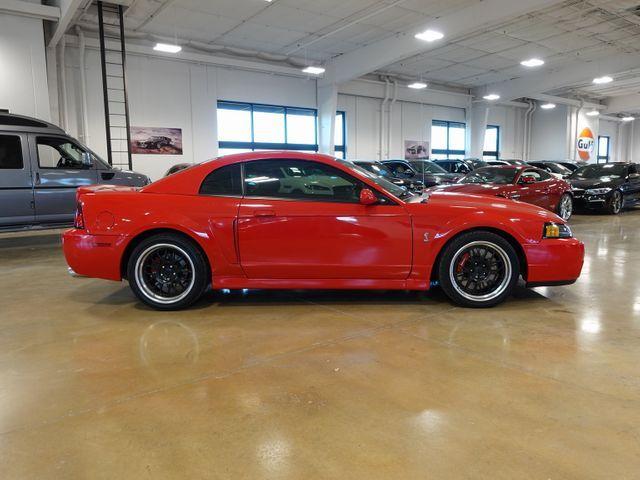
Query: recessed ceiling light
(429, 35)
(165, 47)
(604, 79)
(532, 62)
(593, 113)
(628, 119)
(548, 106)
(417, 85)
(491, 96)
(314, 70)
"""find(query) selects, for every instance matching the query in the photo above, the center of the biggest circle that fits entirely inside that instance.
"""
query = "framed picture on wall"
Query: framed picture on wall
(416, 150)
(156, 141)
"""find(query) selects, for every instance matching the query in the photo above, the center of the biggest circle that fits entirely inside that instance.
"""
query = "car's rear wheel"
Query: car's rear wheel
(479, 269)
(615, 203)
(167, 272)
(565, 207)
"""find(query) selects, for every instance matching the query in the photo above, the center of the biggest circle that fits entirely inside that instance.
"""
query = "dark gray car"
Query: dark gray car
(40, 169)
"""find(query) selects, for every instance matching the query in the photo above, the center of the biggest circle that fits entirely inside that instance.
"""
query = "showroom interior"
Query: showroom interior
(365, 370)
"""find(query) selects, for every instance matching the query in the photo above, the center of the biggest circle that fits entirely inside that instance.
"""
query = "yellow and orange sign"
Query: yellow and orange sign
(585, 144)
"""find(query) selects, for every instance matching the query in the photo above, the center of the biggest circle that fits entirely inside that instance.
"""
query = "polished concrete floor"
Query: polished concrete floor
(314, 385)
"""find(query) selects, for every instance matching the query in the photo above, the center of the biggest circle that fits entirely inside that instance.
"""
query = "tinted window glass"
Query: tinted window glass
(300, 179)
(223, 181)
(10, 153)
(538, 175)
(596, 171)
(59, 152)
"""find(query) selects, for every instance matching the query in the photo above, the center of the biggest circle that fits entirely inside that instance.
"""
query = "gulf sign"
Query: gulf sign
(585, 144)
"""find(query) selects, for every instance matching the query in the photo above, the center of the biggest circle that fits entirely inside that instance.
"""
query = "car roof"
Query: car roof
(20, 123)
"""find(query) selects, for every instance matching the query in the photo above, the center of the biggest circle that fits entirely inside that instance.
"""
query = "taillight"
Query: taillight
(79, 220)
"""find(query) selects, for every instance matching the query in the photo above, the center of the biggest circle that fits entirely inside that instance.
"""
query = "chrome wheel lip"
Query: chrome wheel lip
(566, 207)
(503, 284)
(146, 290)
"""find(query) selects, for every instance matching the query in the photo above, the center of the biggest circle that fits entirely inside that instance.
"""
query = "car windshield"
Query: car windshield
(502, 176)
(377, 168)
(597, 171)
(399, 192)
(478, 163)
(557, 168)
(427, 167)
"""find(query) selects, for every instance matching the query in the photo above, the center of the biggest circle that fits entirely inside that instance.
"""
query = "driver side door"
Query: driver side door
(58, 171)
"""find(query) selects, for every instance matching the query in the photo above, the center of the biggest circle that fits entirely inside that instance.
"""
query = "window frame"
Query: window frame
(448, 151)
(606, 157)
(305, 147)
(491, 153)
(20, 152)
(68, 140)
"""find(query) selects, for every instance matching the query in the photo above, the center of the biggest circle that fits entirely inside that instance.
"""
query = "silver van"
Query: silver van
(41, 167)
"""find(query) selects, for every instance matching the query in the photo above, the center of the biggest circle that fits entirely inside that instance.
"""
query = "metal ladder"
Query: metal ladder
(114, 85)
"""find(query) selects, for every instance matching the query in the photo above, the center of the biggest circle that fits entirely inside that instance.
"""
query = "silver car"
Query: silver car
(40, 169)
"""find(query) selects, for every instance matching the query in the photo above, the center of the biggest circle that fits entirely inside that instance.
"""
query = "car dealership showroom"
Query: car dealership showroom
(320, 239)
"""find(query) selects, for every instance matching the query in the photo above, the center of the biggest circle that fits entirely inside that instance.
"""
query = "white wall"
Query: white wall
(510, 121)
(549, 132)
(23, 75)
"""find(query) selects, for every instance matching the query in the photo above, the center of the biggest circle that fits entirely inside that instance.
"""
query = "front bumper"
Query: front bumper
(96, 256)
(554, 261)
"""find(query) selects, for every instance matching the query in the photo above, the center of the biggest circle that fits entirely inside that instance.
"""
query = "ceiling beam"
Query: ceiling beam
(572, 102)
(623, 104)
(544, 81)
(68, 10)
(27, 9)
(464, 21)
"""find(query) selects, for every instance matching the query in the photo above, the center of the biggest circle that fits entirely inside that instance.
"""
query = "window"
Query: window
(603, 149)
(491, 150)
(537, 175)
(223, 181)
(59, 152)
(448, 140)
(10, 153)
(245, 127)
(299, 179)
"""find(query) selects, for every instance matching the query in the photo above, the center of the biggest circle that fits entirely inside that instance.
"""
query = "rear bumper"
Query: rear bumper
(95, 256)
(554, 262)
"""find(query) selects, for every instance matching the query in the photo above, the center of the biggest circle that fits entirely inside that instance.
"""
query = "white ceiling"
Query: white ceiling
(569, 33)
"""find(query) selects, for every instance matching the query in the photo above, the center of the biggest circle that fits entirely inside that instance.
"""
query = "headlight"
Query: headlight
(556, 230)
(598, 191)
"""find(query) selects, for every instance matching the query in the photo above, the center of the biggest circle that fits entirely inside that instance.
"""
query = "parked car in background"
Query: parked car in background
(379, 168)
(509, 161)
(554, 168)
(607, 186)
(177, 168)
(230, 223)
(428, 168)
(570, 164)
(526, 184)
(40, 169)
(461, 166)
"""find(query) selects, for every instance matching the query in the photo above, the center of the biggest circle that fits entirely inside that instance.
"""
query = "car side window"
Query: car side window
(535, 174)
(460, 167)
(224, 181)
(10, 153)
(59, 152)
(300, 179)
(633, 169)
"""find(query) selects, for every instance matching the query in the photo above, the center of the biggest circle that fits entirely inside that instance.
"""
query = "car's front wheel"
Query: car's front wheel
(615, 203)
(167, 272)
(479, 269)
(565, 207)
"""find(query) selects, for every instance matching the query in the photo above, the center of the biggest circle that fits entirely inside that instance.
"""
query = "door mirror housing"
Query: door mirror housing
(633, 176)
(526, 180)
(367, 197)
(87, 160)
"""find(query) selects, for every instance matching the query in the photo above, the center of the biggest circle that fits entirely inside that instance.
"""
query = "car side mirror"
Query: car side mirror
(527, 180)
(87, 160)
(367, 197)
(633, 176)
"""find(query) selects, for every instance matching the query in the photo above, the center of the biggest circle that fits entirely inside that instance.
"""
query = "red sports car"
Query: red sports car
(524, 183)
(296, 220)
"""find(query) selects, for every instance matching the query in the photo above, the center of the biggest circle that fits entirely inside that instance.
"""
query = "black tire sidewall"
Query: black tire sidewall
(456, 244)
(196, 256)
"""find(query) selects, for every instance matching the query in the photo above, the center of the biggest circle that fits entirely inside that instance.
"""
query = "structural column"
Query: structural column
(327, 95)
(477, 116)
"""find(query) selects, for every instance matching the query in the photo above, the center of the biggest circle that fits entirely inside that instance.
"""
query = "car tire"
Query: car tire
(483, 260)
(167, 271)
(565, 207)
(614, 205)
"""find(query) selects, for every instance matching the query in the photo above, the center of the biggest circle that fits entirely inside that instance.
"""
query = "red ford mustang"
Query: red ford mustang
(527, 184)
(295, 220)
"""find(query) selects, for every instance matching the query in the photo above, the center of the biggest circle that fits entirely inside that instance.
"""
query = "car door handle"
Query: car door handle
(264, 213)
(37, 178)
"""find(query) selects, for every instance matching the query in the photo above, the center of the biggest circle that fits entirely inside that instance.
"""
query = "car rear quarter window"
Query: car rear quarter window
(223, 181)
(10, 153)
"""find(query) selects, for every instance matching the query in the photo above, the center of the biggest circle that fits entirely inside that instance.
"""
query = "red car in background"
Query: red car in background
(523, 183)
(290, 220)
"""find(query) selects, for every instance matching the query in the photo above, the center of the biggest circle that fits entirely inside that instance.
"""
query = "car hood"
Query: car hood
(600, 182)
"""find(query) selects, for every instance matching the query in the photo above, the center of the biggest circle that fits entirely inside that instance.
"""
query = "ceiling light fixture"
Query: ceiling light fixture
(628, 119)
(532, 62)
(491, 96)
(601, 80)
(593, 113)
(548, 106)
(417, 85)
(314, 70)
(165, 47)
(429, 35)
